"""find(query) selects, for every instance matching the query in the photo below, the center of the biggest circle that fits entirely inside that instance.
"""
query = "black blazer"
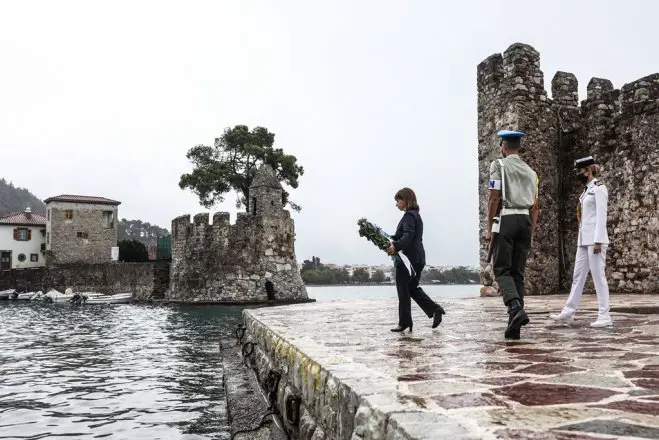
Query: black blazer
(409, 237)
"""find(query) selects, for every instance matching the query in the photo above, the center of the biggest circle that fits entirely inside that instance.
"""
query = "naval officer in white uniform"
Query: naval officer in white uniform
(592, 243)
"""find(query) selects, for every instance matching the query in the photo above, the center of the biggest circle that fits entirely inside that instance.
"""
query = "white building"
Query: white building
(22, 240)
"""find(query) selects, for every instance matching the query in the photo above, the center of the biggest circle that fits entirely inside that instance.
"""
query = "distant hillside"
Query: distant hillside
(14, 199)
(143, 232)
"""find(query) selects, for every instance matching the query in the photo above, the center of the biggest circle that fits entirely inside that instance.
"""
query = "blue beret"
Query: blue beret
(509, 133)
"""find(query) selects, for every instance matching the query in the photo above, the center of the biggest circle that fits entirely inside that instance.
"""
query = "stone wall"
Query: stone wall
(220, 262)
(147, 281)
(620, 128)
(250, 261)
(624, 135)
(511, 95)
(85, 238)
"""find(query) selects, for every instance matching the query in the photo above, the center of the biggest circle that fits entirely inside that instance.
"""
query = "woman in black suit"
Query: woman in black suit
(409, 239)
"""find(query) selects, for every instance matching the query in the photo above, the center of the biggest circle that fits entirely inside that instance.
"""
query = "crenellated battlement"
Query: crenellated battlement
(641, 96)
(598, 89)
(565, 89)
(221, 219)
(516, 76)
(185, 226)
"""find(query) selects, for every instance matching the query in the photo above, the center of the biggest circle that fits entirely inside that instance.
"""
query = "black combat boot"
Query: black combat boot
(517, 318)
(512, 334)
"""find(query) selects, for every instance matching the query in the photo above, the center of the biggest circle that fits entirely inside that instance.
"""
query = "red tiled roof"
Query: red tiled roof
(22, 218)
(82, 199)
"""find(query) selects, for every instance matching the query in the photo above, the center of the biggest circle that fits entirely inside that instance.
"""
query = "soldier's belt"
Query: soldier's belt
(511, 211)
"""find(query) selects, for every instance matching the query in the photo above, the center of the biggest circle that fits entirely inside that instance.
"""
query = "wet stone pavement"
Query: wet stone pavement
(464, 380)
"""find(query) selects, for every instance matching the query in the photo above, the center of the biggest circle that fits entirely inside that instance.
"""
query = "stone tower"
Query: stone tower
(265, 193)
(250, 261)
(619, 127)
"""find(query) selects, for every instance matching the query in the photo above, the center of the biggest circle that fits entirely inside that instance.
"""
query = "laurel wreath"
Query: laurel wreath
(373, 233)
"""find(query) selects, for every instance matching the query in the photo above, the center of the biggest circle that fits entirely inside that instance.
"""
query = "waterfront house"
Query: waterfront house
(22, 240)
(80, 229)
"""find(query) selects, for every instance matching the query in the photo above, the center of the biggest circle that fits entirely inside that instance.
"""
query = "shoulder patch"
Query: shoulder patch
(598, 183)
(495, 184)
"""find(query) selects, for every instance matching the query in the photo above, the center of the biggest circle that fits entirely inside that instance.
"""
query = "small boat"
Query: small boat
(119, 298)
(25, 296)
(57, 297)
(6, 294)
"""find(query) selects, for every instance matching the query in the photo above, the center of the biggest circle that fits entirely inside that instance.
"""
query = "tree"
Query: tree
(132, 251)
(454, 275)
(360, 275)
(378, 276)
(143, 232)
(314, 272)
(230, 165)
(313, 264)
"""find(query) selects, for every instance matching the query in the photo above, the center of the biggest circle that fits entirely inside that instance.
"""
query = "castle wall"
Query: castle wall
(227, 263)
(511, 95)
(623, 134)
(620, 128)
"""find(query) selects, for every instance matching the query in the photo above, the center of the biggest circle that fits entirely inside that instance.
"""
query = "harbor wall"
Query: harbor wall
(147, 281)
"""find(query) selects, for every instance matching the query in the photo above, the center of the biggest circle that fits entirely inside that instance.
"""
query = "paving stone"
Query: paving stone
(527, 434)
(590, 379)
(549, 394)
(614, 427)
(548, 369)
(467, 400)
(633, 406)
(464, 380)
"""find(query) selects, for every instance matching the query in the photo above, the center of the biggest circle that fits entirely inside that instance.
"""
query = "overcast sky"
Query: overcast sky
(106, 98)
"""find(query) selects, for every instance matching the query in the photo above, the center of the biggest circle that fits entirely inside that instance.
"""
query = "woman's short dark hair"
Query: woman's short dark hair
(407, 196)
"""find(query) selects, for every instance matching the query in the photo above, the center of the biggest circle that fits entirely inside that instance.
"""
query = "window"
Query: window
(48, 215)
(83, 235)
(108, 219)
(22, 234)
(34, 258)
(48, 237)
(21, 257)
(68, 214)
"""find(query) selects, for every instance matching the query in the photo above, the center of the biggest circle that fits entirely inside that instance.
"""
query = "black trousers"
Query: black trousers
(511, 249)
(408, 287)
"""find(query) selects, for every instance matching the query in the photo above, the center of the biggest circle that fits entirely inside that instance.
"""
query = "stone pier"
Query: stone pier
(339, 373)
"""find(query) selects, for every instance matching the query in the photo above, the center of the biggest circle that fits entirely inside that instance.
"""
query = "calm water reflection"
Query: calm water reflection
(114, 371)
(126, 371)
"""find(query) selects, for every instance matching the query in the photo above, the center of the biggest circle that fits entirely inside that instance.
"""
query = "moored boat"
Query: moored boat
(118, 298)
(6, 294)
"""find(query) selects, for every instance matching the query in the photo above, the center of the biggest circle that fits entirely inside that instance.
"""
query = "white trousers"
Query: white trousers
(584, 262)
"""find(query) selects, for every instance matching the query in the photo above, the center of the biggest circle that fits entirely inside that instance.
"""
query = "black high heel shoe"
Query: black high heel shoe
(437, 316)
(401, 328)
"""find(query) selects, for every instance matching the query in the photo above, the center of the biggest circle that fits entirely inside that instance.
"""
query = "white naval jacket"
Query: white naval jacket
(594, 202)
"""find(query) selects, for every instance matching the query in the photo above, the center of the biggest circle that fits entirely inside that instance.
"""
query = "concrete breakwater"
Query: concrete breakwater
(336, 372)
